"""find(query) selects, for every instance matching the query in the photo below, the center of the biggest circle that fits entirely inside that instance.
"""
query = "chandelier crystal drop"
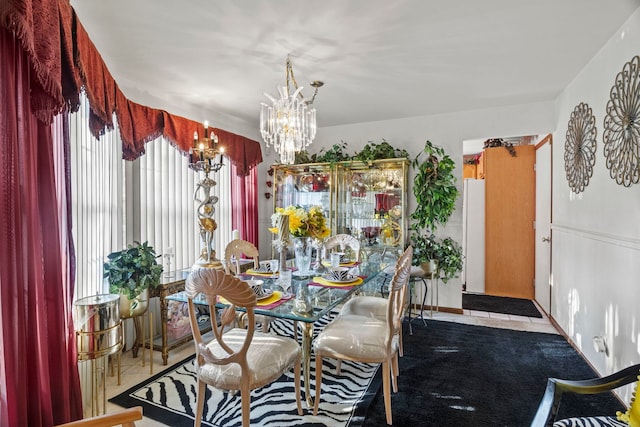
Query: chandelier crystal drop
(289, 123)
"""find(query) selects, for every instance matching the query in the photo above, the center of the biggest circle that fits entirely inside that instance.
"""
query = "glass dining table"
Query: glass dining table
(319, 298)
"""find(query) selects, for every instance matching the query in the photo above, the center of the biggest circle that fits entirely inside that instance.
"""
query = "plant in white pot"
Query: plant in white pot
(131, 272)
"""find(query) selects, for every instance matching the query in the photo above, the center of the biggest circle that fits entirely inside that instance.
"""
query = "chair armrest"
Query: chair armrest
(548, 408)
(125, 417)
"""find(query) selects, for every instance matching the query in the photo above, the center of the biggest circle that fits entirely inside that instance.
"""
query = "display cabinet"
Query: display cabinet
(366, 200)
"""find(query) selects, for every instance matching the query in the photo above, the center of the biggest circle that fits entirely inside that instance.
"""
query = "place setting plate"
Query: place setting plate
(349, 279)
(265, 268)
(266, 293)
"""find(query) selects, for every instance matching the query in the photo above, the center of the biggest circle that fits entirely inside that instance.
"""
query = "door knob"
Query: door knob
(546, 239)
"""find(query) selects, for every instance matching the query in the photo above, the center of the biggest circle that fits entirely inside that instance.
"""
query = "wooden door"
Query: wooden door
(509, 216)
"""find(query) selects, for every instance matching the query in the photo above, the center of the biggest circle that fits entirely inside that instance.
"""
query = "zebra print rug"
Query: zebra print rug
(170, 396)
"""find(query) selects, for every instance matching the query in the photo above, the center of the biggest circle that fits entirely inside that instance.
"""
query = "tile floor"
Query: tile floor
(133, 373)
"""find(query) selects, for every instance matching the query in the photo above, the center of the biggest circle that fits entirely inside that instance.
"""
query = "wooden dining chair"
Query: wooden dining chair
(366, 338)
(233, 253)
(342, 241)
(124, 418)
(236, 358)
(376, 306)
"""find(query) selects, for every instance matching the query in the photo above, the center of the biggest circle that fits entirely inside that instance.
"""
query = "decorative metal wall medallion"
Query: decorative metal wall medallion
(622, 126)
(580, 147)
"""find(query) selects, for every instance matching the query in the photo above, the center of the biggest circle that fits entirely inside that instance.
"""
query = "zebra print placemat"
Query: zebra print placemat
(170, 396)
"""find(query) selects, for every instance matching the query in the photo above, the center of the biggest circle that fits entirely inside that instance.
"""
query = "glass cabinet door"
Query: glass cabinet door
(371, 203)
(305, 185)
(366, 200)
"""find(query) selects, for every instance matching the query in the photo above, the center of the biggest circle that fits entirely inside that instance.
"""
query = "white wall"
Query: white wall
(446, 130)
(596, 234)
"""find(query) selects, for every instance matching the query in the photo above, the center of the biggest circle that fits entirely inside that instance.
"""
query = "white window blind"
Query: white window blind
(116, 202)
(98, 200)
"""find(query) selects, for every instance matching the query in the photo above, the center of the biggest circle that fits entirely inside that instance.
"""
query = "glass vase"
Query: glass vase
(302, 247)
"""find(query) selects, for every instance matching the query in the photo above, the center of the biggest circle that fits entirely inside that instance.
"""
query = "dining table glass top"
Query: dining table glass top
(322, 296)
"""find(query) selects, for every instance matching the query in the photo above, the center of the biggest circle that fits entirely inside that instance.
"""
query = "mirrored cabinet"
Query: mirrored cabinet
(366, 200)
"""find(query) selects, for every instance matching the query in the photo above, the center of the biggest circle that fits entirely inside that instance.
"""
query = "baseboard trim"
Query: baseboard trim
(452, 310)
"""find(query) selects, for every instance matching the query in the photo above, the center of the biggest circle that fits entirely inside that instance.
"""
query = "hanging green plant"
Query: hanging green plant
(434, 187)
(435, 190)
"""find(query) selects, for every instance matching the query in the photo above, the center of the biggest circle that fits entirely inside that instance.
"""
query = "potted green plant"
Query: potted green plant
(131, 272)
(441, 256)
(434, 188)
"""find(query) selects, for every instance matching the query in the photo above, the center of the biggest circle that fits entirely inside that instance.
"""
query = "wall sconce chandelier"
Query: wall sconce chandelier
(289, 124)
(202, 158)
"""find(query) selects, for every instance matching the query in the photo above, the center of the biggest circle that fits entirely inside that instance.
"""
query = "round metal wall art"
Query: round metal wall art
(622, 126)
(580, 147)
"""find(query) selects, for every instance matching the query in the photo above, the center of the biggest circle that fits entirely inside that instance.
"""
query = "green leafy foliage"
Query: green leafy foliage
(337, 153)
(376, 151)
(434, 187)
(446, 251)
(132, 270)
(435, 191)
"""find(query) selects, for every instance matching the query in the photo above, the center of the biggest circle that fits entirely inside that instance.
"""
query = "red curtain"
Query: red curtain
(64, 60)
(40, 384)
(244, 210)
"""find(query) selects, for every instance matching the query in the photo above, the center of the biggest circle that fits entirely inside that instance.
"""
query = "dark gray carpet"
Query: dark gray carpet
(461, 375)
(493, 304)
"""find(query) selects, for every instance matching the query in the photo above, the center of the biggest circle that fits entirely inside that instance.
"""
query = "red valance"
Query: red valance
(65, 61)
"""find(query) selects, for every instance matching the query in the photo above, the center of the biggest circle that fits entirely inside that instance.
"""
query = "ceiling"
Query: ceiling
(378, 59)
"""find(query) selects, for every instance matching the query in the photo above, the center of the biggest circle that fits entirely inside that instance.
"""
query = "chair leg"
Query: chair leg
(394, 373)
(387, 392)
(338, 366)
(296, 376)
(245, 398)
(199, 404)
(318, 383)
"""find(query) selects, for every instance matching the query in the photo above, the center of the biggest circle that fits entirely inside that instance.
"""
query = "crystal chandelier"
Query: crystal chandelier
(289, 124)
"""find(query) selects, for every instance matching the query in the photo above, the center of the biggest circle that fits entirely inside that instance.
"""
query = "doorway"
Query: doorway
(492, 264)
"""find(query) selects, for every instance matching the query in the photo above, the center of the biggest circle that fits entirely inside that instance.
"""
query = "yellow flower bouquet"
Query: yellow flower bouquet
(302, 223)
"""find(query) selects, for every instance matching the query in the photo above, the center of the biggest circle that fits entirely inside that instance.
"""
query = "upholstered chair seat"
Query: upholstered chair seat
(267, 357)
(590, 422)
(357, 337)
